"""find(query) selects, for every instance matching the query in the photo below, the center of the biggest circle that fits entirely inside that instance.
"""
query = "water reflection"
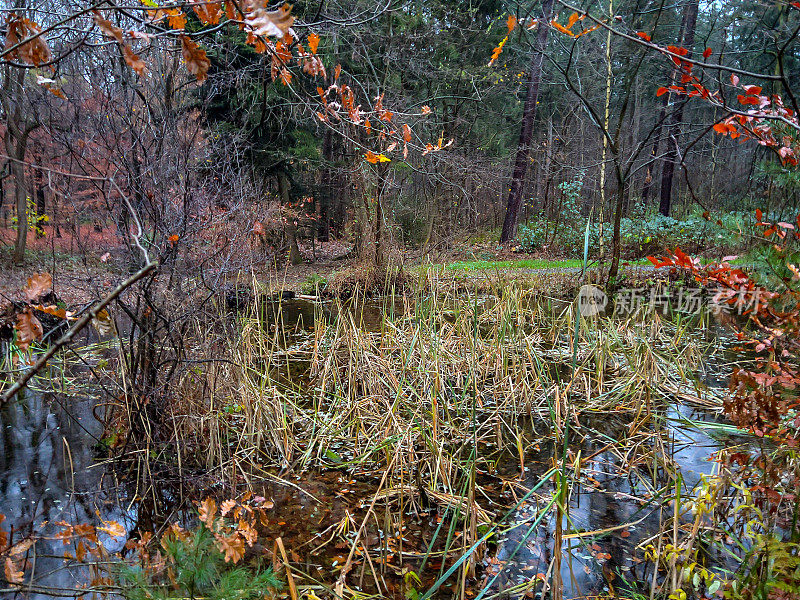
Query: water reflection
(47, 475)
(614, 501)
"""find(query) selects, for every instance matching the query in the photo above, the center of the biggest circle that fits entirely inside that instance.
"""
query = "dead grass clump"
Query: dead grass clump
(367, 280)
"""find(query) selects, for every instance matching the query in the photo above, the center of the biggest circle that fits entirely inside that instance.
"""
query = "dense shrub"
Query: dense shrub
(641, 234)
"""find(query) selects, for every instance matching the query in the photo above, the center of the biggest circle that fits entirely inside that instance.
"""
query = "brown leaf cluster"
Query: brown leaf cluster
(236, 524)
(195, 57)
(114, 32)
(27, 36)
(38, 285)
(28, 328)
(267, 23)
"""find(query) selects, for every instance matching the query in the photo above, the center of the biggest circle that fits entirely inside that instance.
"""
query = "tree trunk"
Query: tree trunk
(21, 198)
(326, 195)
(291, 223)
(18, 128)
(617, 240)
(41, 208)
(528, 116)
(668, 172)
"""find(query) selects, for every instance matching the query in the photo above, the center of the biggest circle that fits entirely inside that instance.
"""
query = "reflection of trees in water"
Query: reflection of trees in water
(612, 505)
(46, 451)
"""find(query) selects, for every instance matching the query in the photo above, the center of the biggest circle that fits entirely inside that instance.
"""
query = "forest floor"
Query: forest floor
(82, 269)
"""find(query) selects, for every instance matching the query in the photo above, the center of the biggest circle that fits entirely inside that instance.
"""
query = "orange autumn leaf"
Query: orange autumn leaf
(28, 329)
(497, 51)
(52, 309)
(209, 13)
(589, 30)
(37, 286)
(232, 12)
(195, 57)
(176, 18)
(573, 18)
(112, 528)
(313, 42)
(561, 28)
(35, 51)
(511, 23)
(173, 239)
(374, 159)
(207, 510)
(12, 574)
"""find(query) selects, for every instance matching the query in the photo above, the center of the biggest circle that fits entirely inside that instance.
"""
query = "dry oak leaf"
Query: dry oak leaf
(207, 510)
(52, 309)
(313, 42)
(269, 23)
(104, 323)
(248, 532)
(226, 507)
(232, 546)
(11, 572)
(112, 528)
(209, 13)
(20, 547)
(196, 60)
(28, 329)
(38, 285)
(112, 31)
(34, 51)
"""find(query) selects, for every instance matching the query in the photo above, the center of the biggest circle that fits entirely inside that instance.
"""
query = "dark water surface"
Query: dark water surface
(49, 473)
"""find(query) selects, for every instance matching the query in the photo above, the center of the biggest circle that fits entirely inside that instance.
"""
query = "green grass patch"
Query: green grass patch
(526, 263)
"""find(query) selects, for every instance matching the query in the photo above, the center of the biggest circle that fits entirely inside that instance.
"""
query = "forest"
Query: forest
(414, 299)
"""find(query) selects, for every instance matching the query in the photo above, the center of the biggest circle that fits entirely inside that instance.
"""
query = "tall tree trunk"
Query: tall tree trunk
(291, 224)
(18, 127)
(548, 161)
(606, 120)
(325, 200)
(613, 271)
(650, 172)
(528, 116)
(660, 124)
(668, 172)
(21, 200)
(41, 207)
